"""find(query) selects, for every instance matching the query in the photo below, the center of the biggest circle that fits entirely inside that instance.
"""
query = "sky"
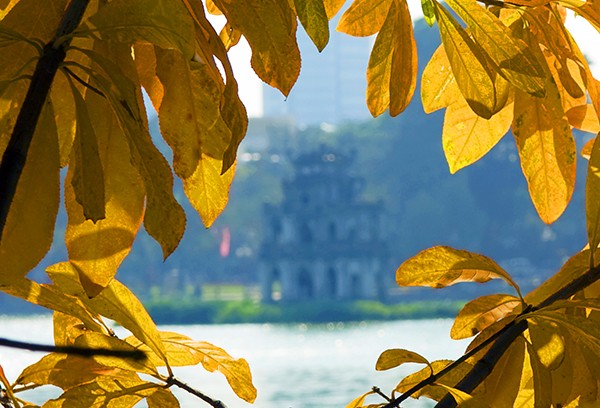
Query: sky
(250, 85)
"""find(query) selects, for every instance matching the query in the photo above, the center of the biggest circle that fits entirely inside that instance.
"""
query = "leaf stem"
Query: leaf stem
(15, 155)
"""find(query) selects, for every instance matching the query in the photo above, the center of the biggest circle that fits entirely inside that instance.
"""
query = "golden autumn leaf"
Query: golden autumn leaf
(332, 7)
(29, 228)
(438, 85)
(394, 357)
(364, 17)
(510, 55)
(165, 23)
(87, 172)
(542, 379)
(116, 302)
(105, 392)
(592, 199)
(97, 249)
(164, 218)
(490, 331)
(391, 73)
(547, 343)
(467, 137)
(230, 36)
(469, 65)
(68, 372)
(313, 16)
(436, 393)
(584, 117)
(359, 401)
(584, 329)
(162, 398)
(547, 151)
(482, 312)
(270, 28)
(462, 398)
(502, 386)
(443, 266)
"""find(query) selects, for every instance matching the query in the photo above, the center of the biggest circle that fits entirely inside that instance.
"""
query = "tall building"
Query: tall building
(332, 84)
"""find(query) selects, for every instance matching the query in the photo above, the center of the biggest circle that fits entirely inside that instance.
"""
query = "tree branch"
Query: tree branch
(213, 403)
(15, 155)
(501, 341)
(80, 351)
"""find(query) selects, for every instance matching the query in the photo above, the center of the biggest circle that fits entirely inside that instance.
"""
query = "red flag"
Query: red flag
(225, 245)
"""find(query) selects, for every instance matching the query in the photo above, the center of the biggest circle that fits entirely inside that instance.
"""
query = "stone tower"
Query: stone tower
(322, 242)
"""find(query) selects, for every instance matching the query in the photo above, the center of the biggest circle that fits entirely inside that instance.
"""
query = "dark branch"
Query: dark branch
(213, 403)
(80, 351)
(15, 155)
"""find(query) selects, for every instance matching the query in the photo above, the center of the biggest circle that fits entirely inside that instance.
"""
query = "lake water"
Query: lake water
(293, 366)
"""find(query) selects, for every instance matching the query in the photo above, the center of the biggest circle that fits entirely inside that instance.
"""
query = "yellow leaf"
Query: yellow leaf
(29, 227)
(165, 23)
(105, 392)
(230, 36)
(592, 199)
(392, 69)
(162, 398)
(576, 266)
(462, 398)
(395, 357)
(145, 63)
(232, 109)
(332, 7)
(511, 56)
(469, 65)
(67, 372)
(584, 117)
(183, 351)
(359, 401)
(164, 219)
(542, 379)
(98, 340)
(436, 393)
(547, 343)
(208, 189)
(88, 175)
(467, 137)
(52, 298)
(97, 249)
(438, 85)
(115, 302)
(586, 150)
(504, 382)
(270, 28)
(66, 328)
(65, 116)
(481, 313)
(490, 331)
(313, 16)
(443, 266)
(547, 151)
(364, 17)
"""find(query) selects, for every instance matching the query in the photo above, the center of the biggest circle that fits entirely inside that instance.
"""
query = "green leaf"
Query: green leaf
(481, 313)
(313, 17)
(395, 357)
(165, 23)
(443, 266)
(428, 12)
(88, 175)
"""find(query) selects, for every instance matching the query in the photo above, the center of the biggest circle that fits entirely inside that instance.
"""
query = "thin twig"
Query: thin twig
(79, 351)
(213, 403)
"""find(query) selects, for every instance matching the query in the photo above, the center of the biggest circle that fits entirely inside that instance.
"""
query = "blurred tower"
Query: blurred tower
(322, 242)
